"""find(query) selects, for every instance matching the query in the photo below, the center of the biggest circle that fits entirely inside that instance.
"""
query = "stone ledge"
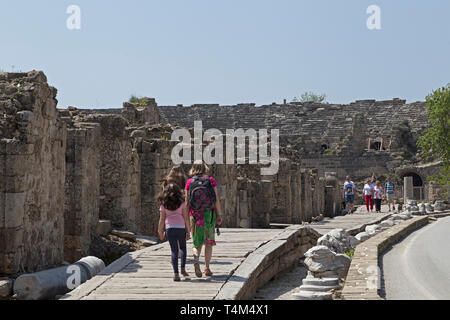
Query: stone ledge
(363, 278)
(264, 263)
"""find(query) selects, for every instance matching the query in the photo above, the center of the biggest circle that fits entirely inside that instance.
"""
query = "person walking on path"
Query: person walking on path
(173, 214)
(177, 176)
(373, 181)
(368, 195)
(349, 194)
(377, 196)
(390, 193)
(205, 212)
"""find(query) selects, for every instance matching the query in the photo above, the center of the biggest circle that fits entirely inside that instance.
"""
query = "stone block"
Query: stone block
(13, 239)
(124, 234)
(14, 209)
(244, 223)
(104, 227)
(6, 288)
(147, 241)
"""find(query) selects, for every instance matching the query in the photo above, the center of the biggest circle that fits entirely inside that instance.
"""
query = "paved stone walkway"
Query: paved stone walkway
(147, 274)
(355, 222)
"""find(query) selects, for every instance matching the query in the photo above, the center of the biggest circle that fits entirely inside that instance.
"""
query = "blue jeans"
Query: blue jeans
(349, 198)
(177, 237)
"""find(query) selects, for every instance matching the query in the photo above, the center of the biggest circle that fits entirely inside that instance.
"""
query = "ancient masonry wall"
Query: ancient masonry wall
(119, 173)
(32, 173)
(82, 189)
(62, 170)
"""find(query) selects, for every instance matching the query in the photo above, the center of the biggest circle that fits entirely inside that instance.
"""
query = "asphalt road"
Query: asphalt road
(419, 266)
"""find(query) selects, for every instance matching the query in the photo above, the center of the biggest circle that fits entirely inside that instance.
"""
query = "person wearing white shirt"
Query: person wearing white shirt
(349, 194)
(368, 195)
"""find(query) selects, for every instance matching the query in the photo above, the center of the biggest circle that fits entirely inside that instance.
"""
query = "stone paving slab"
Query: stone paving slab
(147, 274)
(354, 223)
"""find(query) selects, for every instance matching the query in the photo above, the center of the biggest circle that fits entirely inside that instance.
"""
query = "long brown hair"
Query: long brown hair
(171, 197)
(199, 168)
(177, 176)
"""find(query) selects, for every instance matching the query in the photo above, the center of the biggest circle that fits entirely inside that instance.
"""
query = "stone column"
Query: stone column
(408, 189)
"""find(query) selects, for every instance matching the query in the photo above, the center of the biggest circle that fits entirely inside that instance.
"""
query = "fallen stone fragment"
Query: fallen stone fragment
(405, 215)
(422, 209)
(124, 234)
(338, 240)
(321, 259)
(387, 223)
(53, 282)
(372, 229)
(362, 236)
(429, 208)
(146, 241)
(6, 288)
(439, 205)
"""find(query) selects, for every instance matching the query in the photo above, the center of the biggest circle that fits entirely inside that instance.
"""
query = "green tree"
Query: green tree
(435, 142)
(310, 97)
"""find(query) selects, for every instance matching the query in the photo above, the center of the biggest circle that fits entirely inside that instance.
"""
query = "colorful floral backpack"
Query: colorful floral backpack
(202, 196)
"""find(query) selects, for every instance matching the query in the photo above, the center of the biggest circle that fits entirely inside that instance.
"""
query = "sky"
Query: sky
(228, 52)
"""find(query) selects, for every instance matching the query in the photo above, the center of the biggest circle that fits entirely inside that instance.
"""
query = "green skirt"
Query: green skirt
(202, 226)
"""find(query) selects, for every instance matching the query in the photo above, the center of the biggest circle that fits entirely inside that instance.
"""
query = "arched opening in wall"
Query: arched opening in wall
(417, 180)
(418, 187)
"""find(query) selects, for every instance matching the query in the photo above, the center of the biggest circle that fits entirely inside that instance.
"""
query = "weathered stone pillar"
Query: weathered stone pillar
(408, 189)
(260, 197)
(82, 189)
(331, 205)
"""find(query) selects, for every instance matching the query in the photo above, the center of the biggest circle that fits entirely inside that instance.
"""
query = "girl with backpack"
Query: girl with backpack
(173, 214)
(205, 212)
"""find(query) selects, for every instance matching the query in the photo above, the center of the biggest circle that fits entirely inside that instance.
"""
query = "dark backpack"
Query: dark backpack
(202, 196)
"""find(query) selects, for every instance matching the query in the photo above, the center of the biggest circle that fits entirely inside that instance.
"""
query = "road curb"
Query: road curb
(363, 278)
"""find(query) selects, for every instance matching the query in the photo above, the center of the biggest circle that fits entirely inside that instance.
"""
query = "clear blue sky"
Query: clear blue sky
(227, 52)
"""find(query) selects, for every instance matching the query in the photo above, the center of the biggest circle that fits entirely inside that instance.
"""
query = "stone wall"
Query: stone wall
(63, 171)
(32, 174)
(82, 189)
(119, 172)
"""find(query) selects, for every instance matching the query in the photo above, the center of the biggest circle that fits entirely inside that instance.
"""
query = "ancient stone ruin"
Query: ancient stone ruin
(63, 170)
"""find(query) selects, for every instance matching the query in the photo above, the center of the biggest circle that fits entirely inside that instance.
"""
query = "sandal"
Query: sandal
(184, 273)
(198, 272)
(208, 272)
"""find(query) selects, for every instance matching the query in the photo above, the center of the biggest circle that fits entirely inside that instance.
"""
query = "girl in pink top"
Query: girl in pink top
(173, 215)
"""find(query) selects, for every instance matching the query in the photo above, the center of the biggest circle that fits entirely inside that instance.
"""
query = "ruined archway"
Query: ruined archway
(417, 179)
(418, 184)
